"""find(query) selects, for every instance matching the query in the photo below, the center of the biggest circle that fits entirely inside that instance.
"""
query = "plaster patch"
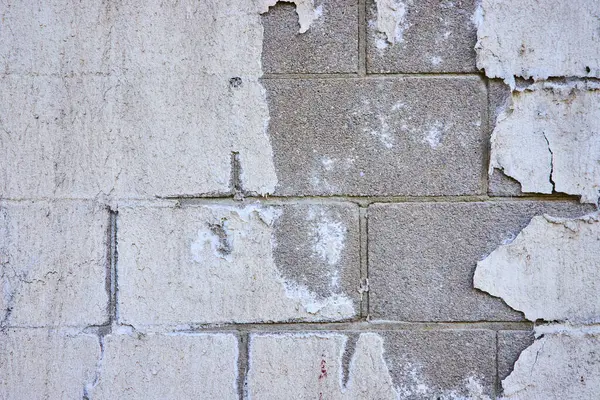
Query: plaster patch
(533, 40)
(391, 20)
(306, 10)
(172, 255)
(548, 139)
(310, 365)
(561, 365)
(550, 271)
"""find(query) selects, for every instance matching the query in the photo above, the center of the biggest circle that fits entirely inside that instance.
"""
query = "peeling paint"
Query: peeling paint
(548, 139)
(565, 366)
(391, 20)
(306, 10)
(532, 40)
(549, 271)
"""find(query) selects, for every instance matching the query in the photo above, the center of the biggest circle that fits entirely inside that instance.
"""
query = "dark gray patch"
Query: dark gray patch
(218, 230)
(441, 360)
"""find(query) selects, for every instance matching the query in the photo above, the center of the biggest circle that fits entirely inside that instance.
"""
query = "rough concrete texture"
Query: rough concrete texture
(216, 263)
(523, 38)
(45, 364)
(565, 366)
(152, 99)
(510, 346)
(548, 139)
(310, 365)
(549, 271)
(433, 248)
(383, 365)
(329, 46)
(446, 365)
(415, 36)
(400, 136)
(174, 366)
(53, 263)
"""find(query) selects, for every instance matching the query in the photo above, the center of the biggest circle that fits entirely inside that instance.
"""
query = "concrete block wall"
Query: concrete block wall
(155, 242)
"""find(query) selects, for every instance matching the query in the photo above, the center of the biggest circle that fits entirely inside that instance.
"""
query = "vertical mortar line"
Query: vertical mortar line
(243, 362)
(497, 376)
(114, 256)
(362, 38)
(487, 124)
(364, 261)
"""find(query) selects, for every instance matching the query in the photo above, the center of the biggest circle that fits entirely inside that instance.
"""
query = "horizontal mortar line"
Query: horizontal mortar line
(297, 327)
(361, 200)
(366, 200)
(355, 75)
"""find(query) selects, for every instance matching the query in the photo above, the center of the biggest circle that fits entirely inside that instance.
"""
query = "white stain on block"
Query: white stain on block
(536, 40)
(391, 20)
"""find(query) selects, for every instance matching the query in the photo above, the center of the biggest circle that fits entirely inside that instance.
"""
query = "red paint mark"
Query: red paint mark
(323, 369)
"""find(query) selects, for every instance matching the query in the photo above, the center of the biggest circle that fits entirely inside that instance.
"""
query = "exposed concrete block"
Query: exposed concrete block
(548, 139)
(400, 136)
(450, 364)
(329, 46)
(549, 271)
(562, 365)
(221, 263)
(422, 256)
(44, 364)
(383, 365)
(420, 36)
(510, 346)
(175, 366)
(58, 37)
(53, 259)
(527, 39)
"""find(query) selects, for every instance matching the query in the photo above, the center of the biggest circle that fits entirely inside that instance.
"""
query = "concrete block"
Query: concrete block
(420, 36)
(53, 259)
(329, 46)
(238, 263)
(396, 136)
(422, 256)
(174, 366)
(56, 37)
(45, 364)
(442, 364)
(369, 365)
(510, 346)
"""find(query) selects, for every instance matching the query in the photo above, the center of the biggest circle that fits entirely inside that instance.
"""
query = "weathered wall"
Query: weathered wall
(317, 199)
